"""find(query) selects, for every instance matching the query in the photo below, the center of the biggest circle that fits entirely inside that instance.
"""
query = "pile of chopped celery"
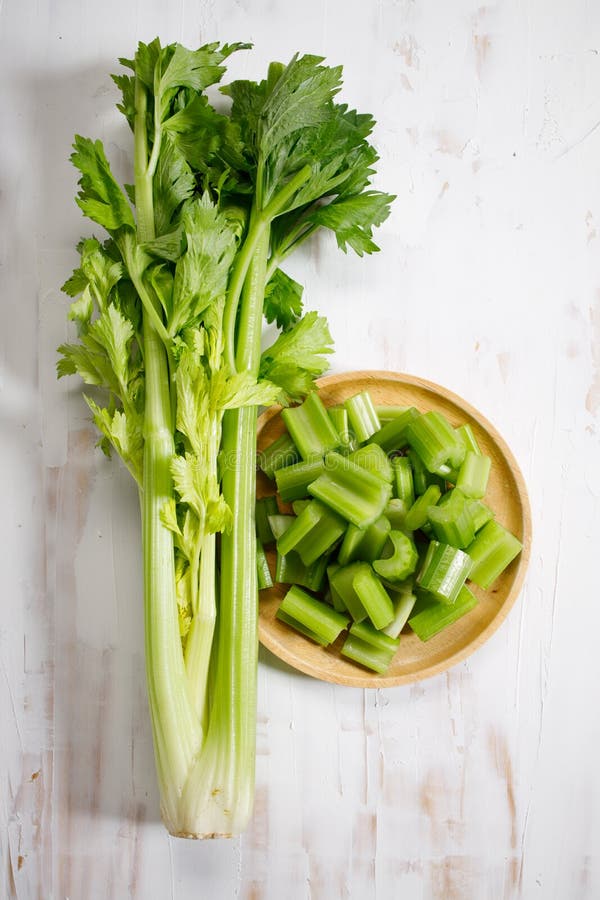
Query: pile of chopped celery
(378, 522)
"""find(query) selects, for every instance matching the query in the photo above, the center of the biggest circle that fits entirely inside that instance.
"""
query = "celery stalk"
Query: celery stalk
(352, 492)
(169, 316)
(432, 437)
(293, 481)
(282, 452)
(265, 507)
(321, 619)
(321, 538)
(302, 629)
(451, 519)
(418, 514)
(395, 512)
(467, 438)
(404, 600)
(364, 544)
(401, 561)
(444, 571)
(365, 654)
(473, 475)
(429, 616)
(342, 582)
(403, 480)
(339, 418)
(311, 428)
(493, 549)
(374, 636)
(393, 435)
(299, 528)
(363, 416)
(372, 458)
(373, 597)
(177, 731)
(480, 513)
(262, 568)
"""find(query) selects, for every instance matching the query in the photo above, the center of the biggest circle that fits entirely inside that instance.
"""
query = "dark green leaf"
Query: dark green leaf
(173, 183)
(283, 300)
(297, 356)
(352, 219)
(100, 197)
(126, 84)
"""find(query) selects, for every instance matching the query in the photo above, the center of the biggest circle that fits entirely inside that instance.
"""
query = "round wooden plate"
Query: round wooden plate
(506, 495)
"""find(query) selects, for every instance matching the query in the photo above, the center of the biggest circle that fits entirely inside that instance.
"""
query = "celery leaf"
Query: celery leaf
(100, 197)
(298, 356)
(283, 300)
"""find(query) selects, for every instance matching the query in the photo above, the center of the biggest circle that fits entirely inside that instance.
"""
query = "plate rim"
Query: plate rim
(379, 681)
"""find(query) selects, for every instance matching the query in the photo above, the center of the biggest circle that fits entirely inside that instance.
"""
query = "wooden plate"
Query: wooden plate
(506, 494)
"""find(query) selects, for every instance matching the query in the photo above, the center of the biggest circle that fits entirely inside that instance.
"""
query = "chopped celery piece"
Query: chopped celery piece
(315, 574)
(364, 544)
(480, 513)
(395, 513)
(468, 439)
(302, 629)
(262, 568)
(293, 481)
(363, 417)
(291, 570)
(373, 597)
(311, 427)
(281, 452)
(433, 438)
(473, 475)
(279, 524)
(452, 521)
(373, 636)
(342, 581)
(352, 539)
(418, 514)
(421, 477)
(372, 458)
(357, 495)
(387, 413)
(325, 531)
(493, 549)
(299, 505)
(429, 617)
(444, 571)
(298, 529)
(321, 619)
(336, 598)
(265, 507)
(367, 655)
(404, 601)
(403, 480)
(427, 529)
(392, 436)
(402, 560)
(339, 417)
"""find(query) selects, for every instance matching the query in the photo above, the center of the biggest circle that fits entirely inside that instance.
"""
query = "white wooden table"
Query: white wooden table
(481, 783)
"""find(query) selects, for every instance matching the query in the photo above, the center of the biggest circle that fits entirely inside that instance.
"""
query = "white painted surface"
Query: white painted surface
(481, 783)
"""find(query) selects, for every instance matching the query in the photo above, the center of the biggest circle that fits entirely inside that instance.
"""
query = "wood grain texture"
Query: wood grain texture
(481, 782)
(506, 494)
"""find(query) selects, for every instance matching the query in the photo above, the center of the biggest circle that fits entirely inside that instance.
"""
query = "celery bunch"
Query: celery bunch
(169, 312)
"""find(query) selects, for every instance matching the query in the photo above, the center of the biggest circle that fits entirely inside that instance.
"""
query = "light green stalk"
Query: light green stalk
(228, 759)
(177, 734)
(200, 638)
